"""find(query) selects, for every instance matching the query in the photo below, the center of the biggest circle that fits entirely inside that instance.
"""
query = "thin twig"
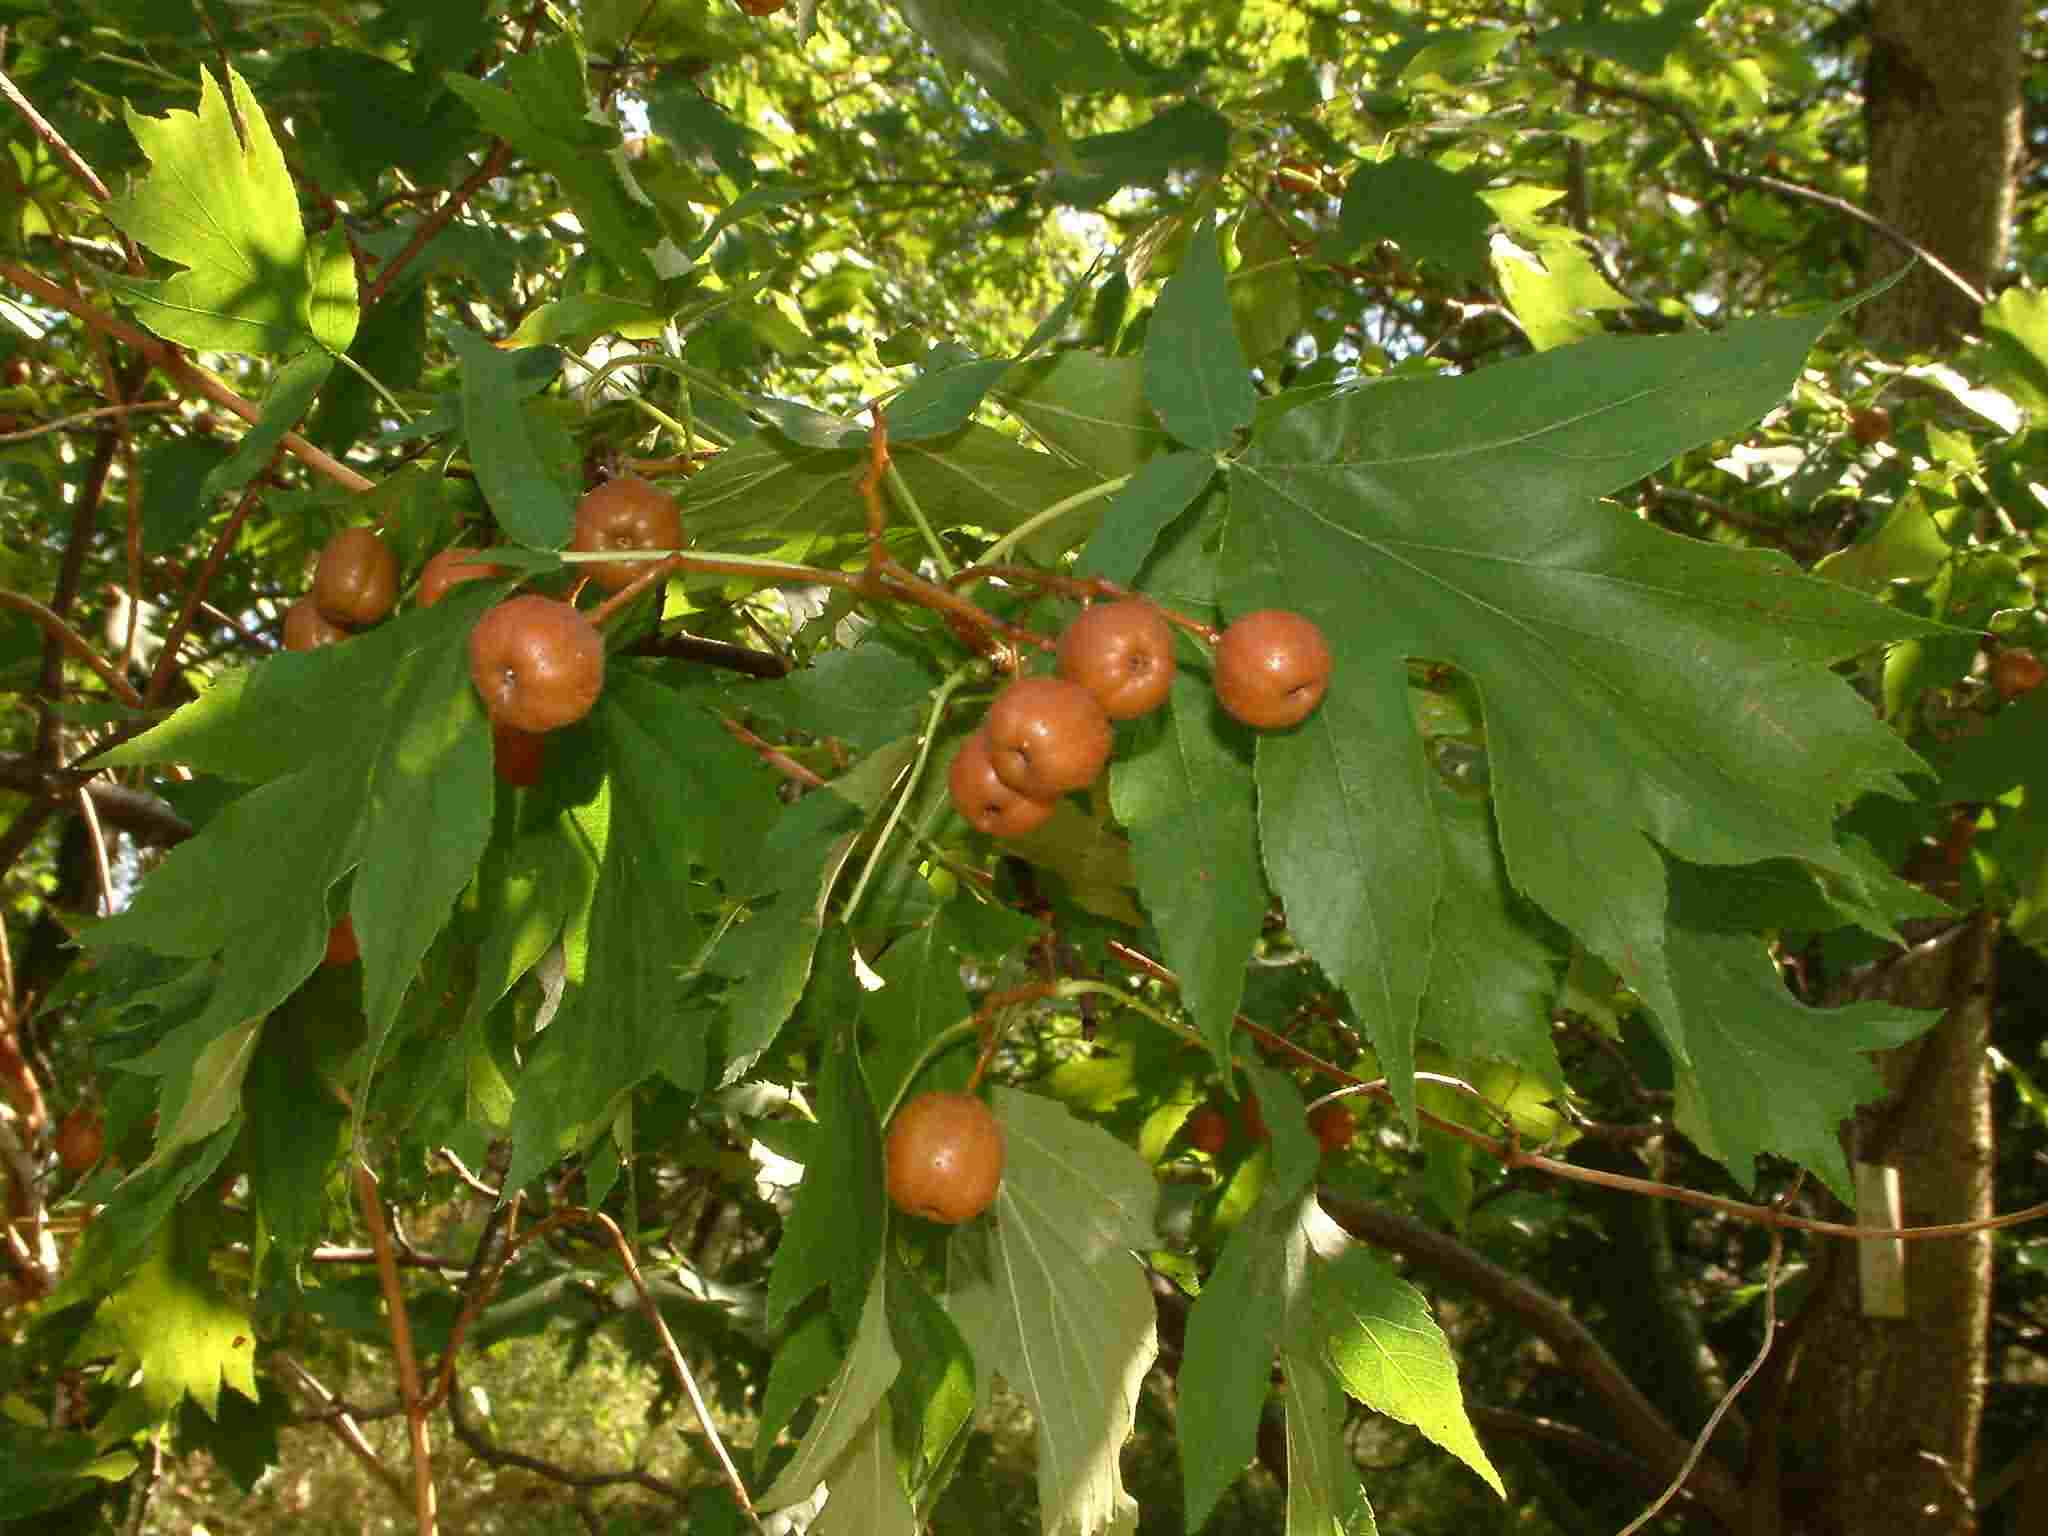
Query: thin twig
(73, 642)
(62, 422)
(1841, 205)
(1508, 1152)
(346, 1429)
(189, 378)
(774, 757)
(167, 658)
(71, 160)
(1699, 1445)
(98, 839)
(494, 165)
(401, 1346)
(678, 1364)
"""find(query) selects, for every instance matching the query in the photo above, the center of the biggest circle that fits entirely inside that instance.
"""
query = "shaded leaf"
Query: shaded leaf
(228, 214)
(1182, 788)
(1196, 376)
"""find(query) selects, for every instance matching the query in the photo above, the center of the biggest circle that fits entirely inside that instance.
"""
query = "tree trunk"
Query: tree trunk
(1941, 102)
(1883, 1413)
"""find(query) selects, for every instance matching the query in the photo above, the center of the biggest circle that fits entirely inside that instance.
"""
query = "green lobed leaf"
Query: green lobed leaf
(1226, 1367)
(769, 493)
(291, 395)
(1432, 214)
(1771, 1075)
(1182, 788)
(858, 1392)
(1324, 1497)
(933, 1398)
(833, 1237)
(1050, 1296)
(1378, 1336)
(1086, 406)
(866, 1496)
(1157, 495)
(172, 1322)
(543, 110)
(529, 502)
(806, 1363)
(1492, 974)
(1196, 376)
(226, 211)
(1636, 685)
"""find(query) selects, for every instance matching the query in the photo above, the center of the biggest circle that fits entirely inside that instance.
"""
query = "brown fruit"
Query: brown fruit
(1254, 1120)
(762, 7)
(1123, 654)
(1272, 668)
(1870, 425)
(625, 514)
(1208, 1129)
(518, 756)
(81, 1140)
(342, 948)
(537, 662)
(985, 800)
(1334, 1126)
(2014, 672)
(1047, 736)
(452, 566)
(306, 628)
(356, 581)
(944, 1157)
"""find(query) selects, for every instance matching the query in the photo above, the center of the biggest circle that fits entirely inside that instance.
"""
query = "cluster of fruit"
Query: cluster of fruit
(537, 662)
(1045, 736)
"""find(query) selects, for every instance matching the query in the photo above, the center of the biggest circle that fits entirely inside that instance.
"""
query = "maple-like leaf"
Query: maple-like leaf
(1640, 690)
(173, 1323)
(1050, 1296)
(223, 207)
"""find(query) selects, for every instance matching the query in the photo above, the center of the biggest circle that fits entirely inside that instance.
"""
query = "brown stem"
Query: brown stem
(780, 761)
(167, 658)
(494, 164)
(189, 379)
(1508, 1152)
(401, 1346)
(1084, 589)
(346, 1429)
(71, 640)
(71, 160)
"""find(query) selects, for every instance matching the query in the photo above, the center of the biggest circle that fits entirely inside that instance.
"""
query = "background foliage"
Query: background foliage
(1538, 353)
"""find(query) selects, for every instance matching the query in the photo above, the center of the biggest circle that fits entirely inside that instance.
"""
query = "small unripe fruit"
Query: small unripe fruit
(1208, 1129)
(1272, 669)
(622, 515)
(1334, 1126)
(451, 567)
(984, 800)
(537, 662)
(1870, 425)
(1047, 736)
(2014, 672)
(81, 1140)
(944, 1157)
(1123, 654)
(356, 581)
(342, 948)
(518, 756)
(306, 628)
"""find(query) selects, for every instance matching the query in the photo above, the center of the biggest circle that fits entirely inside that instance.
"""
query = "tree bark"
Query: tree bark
(1941, 102)
(1883, 1414)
